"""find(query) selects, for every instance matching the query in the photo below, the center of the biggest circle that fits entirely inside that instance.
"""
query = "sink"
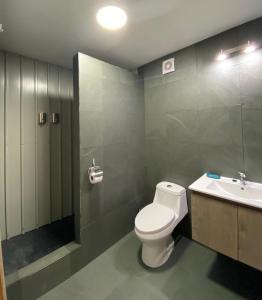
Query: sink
(230, 189)
(236, 189)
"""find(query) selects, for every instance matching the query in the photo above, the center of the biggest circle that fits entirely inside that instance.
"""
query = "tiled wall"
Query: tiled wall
(207, 115)
(111, 113)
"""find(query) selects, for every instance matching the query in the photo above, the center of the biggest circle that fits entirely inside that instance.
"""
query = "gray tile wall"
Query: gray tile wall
(207, 115)
(111, 120)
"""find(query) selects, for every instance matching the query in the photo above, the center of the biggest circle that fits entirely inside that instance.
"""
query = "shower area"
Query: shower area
(36, 202)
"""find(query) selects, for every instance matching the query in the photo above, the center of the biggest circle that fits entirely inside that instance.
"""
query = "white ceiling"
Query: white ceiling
(54, 30)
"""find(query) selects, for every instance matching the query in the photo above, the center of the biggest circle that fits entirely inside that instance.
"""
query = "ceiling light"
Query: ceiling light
(221, 56)
(250, 47)
(1, 28)
(111, 17)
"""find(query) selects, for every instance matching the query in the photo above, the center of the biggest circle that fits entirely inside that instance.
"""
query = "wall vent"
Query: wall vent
(168, 65)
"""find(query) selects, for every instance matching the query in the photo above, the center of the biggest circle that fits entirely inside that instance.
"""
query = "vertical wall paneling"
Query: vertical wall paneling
(28, 146)
(55, 144)
(35, 160)
(65, 81)
(13, 159)
(69, 210)
(2, 146)
(43, 147)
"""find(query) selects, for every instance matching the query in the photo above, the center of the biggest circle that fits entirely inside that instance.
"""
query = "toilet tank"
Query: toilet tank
(171, 195)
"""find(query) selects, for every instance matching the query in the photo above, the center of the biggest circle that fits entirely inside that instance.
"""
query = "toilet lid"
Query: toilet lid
(153, 218)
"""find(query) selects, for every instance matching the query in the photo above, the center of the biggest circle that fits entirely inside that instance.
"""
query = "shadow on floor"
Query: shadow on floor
(206, 273)
(24, 249)
(193, 272)
(237, 277)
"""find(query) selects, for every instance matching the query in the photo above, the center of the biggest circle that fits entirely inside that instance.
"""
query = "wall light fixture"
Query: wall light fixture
(246, 48)
(221, 56)
(251, 47)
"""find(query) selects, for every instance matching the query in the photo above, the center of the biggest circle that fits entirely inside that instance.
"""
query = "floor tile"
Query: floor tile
(193, 272)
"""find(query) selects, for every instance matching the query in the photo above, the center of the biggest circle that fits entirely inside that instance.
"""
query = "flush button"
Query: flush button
(169, 186)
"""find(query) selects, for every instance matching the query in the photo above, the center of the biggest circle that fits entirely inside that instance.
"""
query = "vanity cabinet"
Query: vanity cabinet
(214, 224)
(228, 228)
(250, 236)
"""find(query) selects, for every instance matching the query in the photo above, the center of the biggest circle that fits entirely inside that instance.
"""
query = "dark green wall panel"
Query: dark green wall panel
(2, 146)
(28, 145)
(13, 140)
(66, 141)
(43, 147)
(55, 145)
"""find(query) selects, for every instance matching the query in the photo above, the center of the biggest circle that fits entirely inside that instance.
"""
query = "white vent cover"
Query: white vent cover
(168, 65)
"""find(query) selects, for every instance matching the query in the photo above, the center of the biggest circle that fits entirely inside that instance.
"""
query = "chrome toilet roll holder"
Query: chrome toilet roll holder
(95, 171)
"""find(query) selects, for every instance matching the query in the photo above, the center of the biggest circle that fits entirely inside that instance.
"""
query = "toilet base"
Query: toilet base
(156, 253)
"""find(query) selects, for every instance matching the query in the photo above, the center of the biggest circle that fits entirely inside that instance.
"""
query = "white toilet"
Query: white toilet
(155, 223)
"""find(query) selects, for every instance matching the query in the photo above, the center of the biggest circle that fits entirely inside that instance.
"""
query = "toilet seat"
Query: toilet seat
(154, 218)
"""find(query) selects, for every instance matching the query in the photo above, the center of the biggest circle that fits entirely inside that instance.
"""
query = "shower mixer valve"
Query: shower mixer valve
(53, 118)
(42, 118)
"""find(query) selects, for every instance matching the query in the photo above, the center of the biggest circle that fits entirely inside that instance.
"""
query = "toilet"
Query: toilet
(155, 223)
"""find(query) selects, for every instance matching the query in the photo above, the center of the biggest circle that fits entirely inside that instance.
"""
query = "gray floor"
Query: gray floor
(24, 249)
(193, 272)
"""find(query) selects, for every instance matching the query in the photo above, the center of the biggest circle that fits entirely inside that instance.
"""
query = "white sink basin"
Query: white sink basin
(230, 189)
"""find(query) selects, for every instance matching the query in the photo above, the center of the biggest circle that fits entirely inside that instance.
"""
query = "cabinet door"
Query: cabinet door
(250, 236)
(214, 224)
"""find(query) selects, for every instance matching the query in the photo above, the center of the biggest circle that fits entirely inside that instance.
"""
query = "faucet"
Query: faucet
(242, 176)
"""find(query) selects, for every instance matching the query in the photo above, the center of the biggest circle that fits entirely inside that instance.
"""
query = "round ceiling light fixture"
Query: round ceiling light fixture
(111, 17)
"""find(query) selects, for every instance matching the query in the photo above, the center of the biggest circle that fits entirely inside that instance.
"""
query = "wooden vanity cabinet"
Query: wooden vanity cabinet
(229, 228)
(214, 224)
(250, 236)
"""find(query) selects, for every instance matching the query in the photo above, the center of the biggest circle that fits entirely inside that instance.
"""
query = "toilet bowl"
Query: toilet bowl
(155, 223)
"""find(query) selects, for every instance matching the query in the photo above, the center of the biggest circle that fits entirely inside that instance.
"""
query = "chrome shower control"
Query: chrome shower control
(55, 118)
(42, 118)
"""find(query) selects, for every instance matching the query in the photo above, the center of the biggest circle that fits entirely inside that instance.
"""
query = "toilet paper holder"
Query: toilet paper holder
(95, 173)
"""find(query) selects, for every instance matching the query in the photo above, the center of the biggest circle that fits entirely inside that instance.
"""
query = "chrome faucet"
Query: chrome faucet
(242, 178)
